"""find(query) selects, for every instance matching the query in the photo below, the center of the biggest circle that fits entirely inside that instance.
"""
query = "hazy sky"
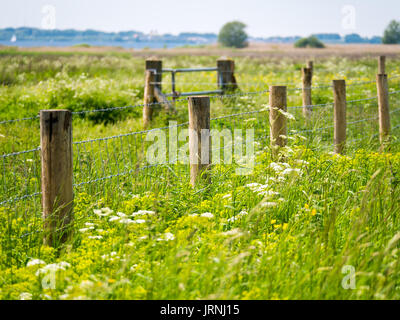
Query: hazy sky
(263, 17)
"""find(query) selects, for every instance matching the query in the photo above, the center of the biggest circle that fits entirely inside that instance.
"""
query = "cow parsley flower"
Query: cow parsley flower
(34, 262)
(207, 215)
(25, 296)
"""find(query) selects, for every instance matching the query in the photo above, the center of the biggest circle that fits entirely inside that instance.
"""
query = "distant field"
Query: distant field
(254, 50)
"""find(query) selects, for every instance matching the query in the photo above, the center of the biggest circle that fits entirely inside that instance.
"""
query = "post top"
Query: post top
(54, 110)
(224, 59)
(199, 97)
(153, 58)
(339, 81)
(277, 87)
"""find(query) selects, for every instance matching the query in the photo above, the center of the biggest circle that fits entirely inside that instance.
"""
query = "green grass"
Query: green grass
(272, 234)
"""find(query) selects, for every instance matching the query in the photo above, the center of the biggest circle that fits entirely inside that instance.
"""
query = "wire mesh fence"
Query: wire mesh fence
(117, 166)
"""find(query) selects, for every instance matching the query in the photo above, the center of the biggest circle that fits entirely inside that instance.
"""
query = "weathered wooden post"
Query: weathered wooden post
(199, 138)
(226, 74)
(339, 118)
(382, 65)
(148, 98)
(310, 65)
(307, 84)
(277, 120)
(155, 65)
(57, 188)
(383, 104)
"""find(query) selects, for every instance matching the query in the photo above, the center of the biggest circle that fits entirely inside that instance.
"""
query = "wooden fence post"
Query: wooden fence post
(57, 175)
(148, 98)
(382, 65)
(226, 74)
(310, 65)
(307, 84)
(383, 104)
(277, 120)
(155, 65)
(199, 137)
(339, 118)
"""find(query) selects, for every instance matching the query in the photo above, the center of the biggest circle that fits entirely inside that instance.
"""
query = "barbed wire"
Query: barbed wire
(18, 153)
(141, 105)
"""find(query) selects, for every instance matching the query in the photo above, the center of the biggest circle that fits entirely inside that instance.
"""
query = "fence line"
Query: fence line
(90, 161)
(185, 123)
(141, 105)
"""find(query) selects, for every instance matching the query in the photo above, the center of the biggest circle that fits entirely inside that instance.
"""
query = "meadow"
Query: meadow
(296, 229)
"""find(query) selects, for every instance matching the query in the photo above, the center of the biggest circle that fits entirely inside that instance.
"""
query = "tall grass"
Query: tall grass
(293, 230)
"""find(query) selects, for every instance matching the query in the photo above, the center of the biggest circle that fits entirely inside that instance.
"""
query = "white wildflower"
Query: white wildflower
(96, 237)
(34, 262)
(114, 218)
(168, 236)
(126, 221)
(25, 296)
(207, 215)
(89, 224)
(289, 171)
(139, 221)
(86, 229)
(103, 212)
(238, 216)
(53, 267)
(288, 115)
(275, 166)
(142, 212)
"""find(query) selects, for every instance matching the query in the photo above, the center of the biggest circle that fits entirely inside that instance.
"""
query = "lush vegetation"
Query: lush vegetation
(288, 230)
(233, 35)
(392, 33)
(310, 42)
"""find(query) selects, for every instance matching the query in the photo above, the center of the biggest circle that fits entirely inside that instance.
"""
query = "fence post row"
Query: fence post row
(307, 84)
(277, 119)
(57, 175)
(226, 74)
(339, 115)
(383, 106)
(199, 138)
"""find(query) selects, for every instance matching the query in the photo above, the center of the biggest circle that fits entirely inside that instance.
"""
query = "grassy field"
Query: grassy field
(297, 229)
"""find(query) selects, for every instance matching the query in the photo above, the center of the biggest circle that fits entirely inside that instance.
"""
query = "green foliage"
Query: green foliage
(233, 35)
(392, 33)
(310, 42)
(285, 231)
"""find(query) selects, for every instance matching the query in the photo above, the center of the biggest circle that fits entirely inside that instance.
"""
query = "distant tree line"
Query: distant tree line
(232, 34)
(33, 34)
